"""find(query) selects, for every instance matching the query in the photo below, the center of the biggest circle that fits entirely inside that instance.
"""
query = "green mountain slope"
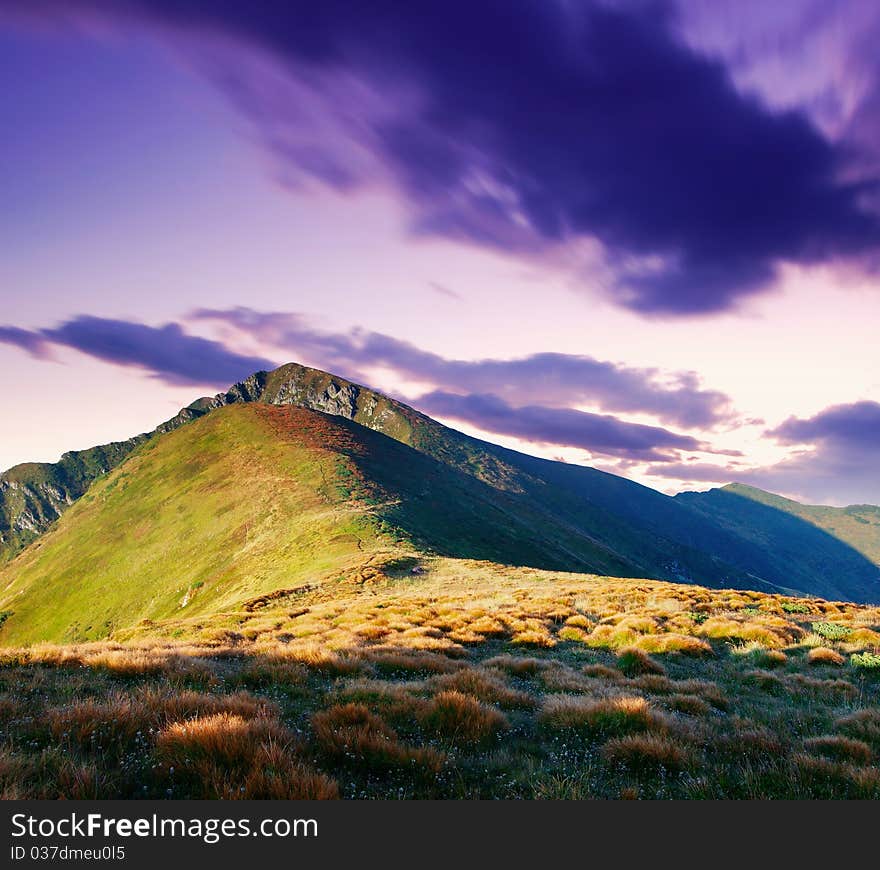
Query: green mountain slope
(252, 500)
(834, 552)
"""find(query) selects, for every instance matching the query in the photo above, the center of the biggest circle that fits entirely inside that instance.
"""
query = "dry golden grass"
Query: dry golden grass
(424, 688)
(602, 672)
(352, 731)
(647, 753)
(633, 661)
(463, 719)
(619, 715)
(653, 684)
(839, 748)
(224, 738)
(484, 685)
(822, 655)
(390, 660)
(694, 705)
(227, 756)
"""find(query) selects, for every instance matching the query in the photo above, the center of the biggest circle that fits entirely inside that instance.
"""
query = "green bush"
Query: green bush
(867, 661)
(831, 630)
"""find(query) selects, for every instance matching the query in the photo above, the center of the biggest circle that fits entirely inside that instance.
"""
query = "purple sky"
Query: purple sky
(643, 236)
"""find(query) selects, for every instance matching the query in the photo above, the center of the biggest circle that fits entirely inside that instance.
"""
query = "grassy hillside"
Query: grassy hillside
(210, 514)
(462, 680)
(253, 500)
(833, 551)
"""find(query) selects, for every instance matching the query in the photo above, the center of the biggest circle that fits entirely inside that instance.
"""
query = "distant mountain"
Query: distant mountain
(832, 551)
(409, 484)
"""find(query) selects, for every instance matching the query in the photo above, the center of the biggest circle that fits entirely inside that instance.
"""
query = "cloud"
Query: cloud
(537, 131)
(33, 342)
(565, 427)
(521, 407)
(856, 425)
(838, 463)
(544, 378)
(167, 352)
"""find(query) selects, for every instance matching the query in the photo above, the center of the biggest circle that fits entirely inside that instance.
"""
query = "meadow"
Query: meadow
(425, 677)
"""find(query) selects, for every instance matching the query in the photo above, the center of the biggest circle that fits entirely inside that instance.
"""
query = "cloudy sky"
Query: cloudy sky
(643, 236)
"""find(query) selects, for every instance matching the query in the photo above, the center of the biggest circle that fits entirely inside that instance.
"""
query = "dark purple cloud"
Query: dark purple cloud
(532, 125)
(857, 424)
(167, 352)
(543, 378)
(565, 427)
(33, 342)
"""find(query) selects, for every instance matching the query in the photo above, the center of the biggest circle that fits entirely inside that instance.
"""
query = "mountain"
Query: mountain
(221, 505)
(833, 551)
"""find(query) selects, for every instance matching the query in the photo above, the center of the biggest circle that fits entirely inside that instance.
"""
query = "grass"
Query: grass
(294, 699)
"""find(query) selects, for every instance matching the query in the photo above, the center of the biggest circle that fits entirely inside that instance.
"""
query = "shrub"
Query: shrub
(866, 661)
(646, 753)
(634, 661)
(832, 630)
(795, 607)
(822, 655)
(461, 718)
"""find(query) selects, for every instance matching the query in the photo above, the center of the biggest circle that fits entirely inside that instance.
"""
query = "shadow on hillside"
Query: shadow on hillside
(578, 520)
(790, 551)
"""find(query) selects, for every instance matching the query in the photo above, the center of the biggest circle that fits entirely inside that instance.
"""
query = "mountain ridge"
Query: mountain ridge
(606, 523)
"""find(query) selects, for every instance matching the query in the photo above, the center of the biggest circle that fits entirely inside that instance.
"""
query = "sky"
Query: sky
(641, 236)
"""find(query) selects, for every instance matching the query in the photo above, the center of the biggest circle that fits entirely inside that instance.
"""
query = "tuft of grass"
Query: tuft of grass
(839, 748)
(619, 715)
(862, 725)
(823, 655)
(647, 753)
(691, 704)
(351, 731)
(484, 685)
(462, 719)
(633, 661)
